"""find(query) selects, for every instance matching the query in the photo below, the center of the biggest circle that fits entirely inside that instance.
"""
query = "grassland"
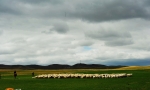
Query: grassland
(139, 81)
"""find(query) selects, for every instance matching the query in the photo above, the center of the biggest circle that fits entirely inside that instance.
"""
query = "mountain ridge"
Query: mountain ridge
(60, 66)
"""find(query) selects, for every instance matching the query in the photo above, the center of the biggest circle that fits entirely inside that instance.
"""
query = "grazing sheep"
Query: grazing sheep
(129, 75)
(119, 75)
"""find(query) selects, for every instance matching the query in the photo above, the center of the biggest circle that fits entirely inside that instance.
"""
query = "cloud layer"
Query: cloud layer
(67, 32)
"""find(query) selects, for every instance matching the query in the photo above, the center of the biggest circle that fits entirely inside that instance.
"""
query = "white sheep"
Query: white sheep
(119, 75)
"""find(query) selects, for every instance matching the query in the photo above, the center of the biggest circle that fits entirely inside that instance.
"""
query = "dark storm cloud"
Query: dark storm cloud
(112, 10)
(42, 1)
(109, 10)
(97, 11)
(8, 7)
(147, 2)
(94, 11)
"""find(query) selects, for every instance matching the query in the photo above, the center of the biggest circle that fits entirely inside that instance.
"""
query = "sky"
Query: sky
(44, 32)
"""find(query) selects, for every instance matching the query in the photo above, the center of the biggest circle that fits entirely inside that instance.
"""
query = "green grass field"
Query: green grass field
(139, 81)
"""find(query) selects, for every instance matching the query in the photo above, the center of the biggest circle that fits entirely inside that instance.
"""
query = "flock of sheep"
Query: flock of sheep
(119, 75)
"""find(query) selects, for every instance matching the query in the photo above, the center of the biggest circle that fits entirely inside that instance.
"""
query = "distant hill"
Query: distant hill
(134, 68)
(60, 66)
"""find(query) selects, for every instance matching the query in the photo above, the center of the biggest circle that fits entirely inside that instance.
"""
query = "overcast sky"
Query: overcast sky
(43, 32)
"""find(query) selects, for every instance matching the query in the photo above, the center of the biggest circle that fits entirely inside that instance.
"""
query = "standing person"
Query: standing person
(32, 74)
(15, 74)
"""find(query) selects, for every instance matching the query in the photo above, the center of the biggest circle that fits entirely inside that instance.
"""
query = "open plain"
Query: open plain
(139, 81)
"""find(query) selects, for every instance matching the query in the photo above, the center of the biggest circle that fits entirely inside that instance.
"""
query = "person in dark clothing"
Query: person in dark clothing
(15, 74)
(32, 74)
